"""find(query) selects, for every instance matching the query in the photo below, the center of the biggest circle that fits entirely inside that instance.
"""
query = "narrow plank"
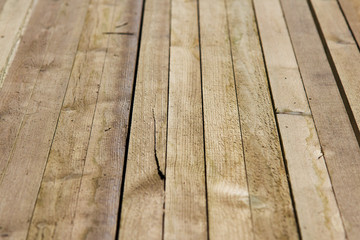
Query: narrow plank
(23, 174)
(351, 9)
(185, 205)
(271, 205)
(343, 49)
(143, 197)
(56, 203)
(20, 81)
(228, 197)
(13, 15)
(315, 202)
(96, 213)
(338, 141)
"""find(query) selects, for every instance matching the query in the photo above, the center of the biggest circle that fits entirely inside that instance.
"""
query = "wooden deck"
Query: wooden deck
(179, 119)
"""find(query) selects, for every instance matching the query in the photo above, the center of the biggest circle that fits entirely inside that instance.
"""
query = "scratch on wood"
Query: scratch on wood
(119, 33)
(162, 176)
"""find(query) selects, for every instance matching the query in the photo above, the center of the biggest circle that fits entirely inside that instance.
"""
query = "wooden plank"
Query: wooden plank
(227, 190)
(55, 207)
(315, 202)
(338, 141)
(21, 78)
(185, 206)
(13, 15)
(143, 197)
(351, 9)
(271, 205)
(97, 206)
(343, 49)
(22, 177)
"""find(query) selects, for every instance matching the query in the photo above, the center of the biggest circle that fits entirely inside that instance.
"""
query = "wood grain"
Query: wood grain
(97, 206)
(343, 50)
(315, 202)
(351, 10)
(228, 197)
(143, 197)
(338, 141)
(22, 177)
(56, 203)
(185, 205)
(271, 205)
(13, 15)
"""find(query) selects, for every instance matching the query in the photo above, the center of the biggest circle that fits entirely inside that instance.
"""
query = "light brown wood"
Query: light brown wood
(20, 81)
(351, 9)
(13, 16)
(228, 197)
(56, 203)
(338, 141)
(99, 195)
(316, 206)
(143, 197)
(185, 204)
(271, 205)
(343, 50)
(22, 177)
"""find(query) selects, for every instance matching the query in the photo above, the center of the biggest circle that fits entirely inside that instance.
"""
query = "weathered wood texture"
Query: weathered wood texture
(97, 206)
(342, 48)
(143, 197)
(351, 10)
(185, 205)
(38, 81)
(228, 198)
(316, 206)
(96, 59)
(338, 141)
(271, 206)
(13, 16)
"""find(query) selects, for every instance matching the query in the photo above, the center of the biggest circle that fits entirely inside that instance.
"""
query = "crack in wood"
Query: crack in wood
(160, 173)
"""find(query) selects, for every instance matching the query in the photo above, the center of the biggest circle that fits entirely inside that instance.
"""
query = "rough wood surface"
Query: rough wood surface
(143, 197)
(99, 195)
(316, 206)
(227, 190)
(338, 141)
(343, 50)
(13, 15)
(55, 208)
(185, 204)
(271, 206)
(351, 10)
(22, 175)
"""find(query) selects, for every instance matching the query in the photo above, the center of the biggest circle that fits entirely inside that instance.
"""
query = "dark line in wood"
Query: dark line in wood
(119, 33)
(203, 124)
(117, 233)
(121, 25)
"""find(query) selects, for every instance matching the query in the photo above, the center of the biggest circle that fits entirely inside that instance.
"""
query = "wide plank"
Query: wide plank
(22, 176)
(336, 135)
(270, 201)
(13, 18)
(55, 207)
(143, 198)
(227, 189)
(315, 202)
(96, 213)
(185, 202)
